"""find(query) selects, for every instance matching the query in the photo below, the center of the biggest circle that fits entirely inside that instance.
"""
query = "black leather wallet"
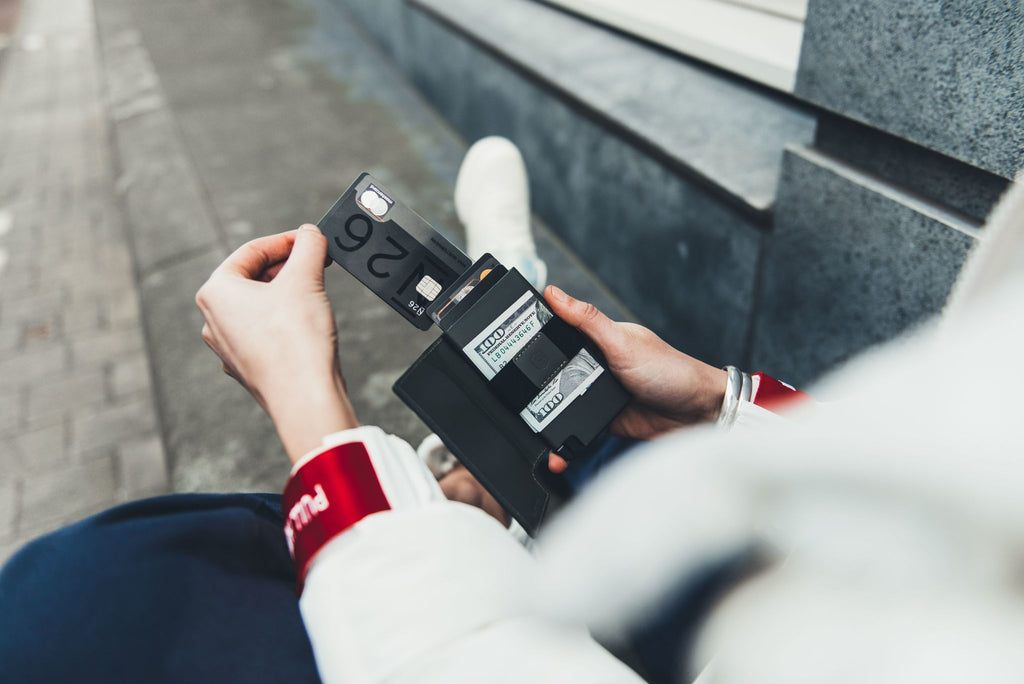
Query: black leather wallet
(481, 420)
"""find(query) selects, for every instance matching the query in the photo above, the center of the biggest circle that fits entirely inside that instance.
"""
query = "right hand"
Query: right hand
(670, 389)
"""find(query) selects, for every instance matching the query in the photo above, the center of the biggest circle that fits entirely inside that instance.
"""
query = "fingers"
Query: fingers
(556, 463)
(308, 254)
(254, 257)
(585, 317)
(272, 272)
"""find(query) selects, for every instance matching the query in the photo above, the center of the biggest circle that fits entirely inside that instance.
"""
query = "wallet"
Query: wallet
(479, 420)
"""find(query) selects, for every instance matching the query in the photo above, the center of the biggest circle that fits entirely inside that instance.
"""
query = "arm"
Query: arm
(670, 389)
(398, 583)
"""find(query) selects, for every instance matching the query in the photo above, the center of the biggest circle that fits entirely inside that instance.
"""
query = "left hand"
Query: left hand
(460, 485)
(269, 321)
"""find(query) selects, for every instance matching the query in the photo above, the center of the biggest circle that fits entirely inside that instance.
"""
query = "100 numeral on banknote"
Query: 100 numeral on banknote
(498, 344)
(572, 381)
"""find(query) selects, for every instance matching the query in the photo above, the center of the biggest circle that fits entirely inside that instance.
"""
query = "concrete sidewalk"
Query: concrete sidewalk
(78, 430)
(138, 147)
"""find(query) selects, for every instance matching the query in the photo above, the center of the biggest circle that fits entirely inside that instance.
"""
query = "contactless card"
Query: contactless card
(390, 249)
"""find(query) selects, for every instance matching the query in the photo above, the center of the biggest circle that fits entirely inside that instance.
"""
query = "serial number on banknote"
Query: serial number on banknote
(499, 342)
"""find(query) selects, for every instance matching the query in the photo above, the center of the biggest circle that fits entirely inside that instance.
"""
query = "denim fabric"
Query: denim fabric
(185, 588)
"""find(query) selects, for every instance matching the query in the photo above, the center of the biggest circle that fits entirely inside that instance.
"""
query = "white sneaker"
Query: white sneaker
(492, 199)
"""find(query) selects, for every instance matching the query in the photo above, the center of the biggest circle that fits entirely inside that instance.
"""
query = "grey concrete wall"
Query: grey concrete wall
(851, 262)
(851, 237)
(670, 217)
(947, 75)
(924, 125)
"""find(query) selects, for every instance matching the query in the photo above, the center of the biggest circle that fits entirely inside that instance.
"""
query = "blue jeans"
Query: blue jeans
(183, 588)
(196, 588)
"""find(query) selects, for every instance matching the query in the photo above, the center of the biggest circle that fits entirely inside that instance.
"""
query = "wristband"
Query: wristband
(759, 389)
(324, 497)
(772, 394)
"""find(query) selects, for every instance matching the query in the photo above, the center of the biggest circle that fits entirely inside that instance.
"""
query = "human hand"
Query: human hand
(458, 484)
(669, 388)
(269, 321)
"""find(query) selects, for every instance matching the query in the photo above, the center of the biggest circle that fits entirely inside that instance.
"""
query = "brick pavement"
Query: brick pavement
(78, 428)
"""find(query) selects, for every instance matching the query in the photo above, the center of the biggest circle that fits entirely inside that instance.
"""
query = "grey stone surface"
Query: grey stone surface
(106, 346)
(217, 437)
(66, 494)
(41, 450)
(960, 187)
(946, 75)
(129, 375)
(8, 508)
(78, 388)
(679, 258)
(96, 427)
(142, 467)
(851, 262)
(721, 130)
(33, 365)
(64, 259)
(10, 409)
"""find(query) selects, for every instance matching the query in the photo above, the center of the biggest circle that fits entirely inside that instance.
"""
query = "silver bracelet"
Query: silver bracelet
(738, 388)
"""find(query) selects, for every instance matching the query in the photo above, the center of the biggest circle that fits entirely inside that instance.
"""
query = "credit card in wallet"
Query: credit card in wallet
(391, 250)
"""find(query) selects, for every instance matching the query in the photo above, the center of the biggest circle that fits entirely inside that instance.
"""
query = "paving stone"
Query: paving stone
(17, 308)
(112, 425)
(10, 410)
(41, 449)
(74, 390)
(129, 376)
(122, 309)
(8, 506)
(40, 331)
(142, 468)
(106, 346)
(33, 365)
(83, 317)
(71, 491)
(10, 461)
(10, 337)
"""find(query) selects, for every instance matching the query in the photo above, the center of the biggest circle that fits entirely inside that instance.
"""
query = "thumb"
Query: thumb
(306, 260)
(587, 318)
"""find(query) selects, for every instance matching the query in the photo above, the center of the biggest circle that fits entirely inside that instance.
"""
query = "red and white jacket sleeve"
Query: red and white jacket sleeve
(400, 585)
(768, 398)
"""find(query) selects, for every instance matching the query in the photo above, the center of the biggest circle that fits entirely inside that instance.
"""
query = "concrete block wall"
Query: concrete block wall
(671, 218)
(920, 128)
(783, 233)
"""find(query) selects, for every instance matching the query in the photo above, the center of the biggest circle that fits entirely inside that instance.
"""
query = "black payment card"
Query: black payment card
(390, 249)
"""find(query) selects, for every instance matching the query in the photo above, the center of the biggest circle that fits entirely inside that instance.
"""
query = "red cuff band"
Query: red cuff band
(772, 394)
(328, 494)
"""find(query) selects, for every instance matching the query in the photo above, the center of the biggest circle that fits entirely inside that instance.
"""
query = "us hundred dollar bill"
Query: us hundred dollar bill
(573, 380)
(499, 342)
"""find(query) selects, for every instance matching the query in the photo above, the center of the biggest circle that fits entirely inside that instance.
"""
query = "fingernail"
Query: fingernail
(558, 295)
(309, 226)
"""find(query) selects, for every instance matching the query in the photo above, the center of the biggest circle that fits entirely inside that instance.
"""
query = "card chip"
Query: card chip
(429, 288)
